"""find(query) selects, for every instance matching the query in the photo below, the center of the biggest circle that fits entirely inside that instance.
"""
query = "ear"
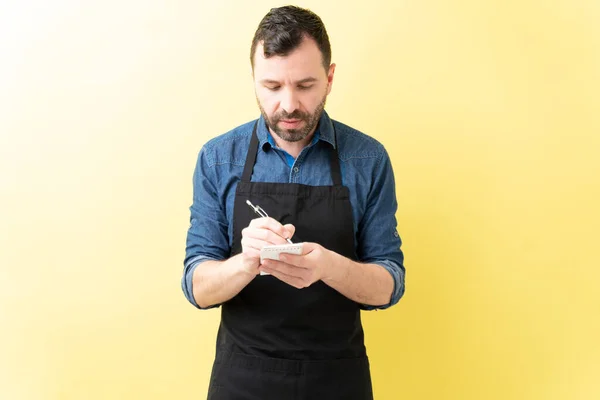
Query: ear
(330, 74)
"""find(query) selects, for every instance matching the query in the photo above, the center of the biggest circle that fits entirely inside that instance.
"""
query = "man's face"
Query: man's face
(291, 90)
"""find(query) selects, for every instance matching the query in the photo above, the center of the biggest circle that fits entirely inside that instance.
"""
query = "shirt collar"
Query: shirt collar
(324, 132)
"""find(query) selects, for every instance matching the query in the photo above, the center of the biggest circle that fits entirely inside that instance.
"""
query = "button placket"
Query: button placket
(295, 173)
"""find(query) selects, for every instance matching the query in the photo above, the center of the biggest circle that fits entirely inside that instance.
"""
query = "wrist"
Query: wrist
(335, 269)
(244, 267)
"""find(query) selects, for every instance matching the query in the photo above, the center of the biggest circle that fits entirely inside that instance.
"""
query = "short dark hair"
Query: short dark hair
(283, 29)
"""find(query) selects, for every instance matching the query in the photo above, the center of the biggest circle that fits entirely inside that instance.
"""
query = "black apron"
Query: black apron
(282, 343)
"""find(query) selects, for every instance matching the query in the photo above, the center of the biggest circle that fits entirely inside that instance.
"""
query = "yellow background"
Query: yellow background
(489, 110)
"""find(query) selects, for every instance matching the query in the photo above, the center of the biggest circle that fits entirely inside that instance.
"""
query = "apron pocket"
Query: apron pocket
(239, 376)
(347, 379)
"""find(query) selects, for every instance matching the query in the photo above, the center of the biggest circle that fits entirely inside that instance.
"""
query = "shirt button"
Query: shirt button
(296, 169)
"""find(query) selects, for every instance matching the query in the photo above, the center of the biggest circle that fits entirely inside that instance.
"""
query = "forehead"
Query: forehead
(305, 60)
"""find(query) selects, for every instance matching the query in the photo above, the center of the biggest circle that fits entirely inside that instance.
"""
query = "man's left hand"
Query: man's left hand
(300, 271)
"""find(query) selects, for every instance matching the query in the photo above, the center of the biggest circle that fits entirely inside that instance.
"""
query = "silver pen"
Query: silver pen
(261, 213)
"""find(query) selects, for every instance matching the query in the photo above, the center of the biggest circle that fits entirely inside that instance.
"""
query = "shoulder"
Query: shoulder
(230, 147)
(353, 143)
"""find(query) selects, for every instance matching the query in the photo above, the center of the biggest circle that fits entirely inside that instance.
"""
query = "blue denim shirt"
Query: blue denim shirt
(366, 171)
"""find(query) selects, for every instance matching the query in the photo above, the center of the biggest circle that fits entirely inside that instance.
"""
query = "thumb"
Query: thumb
(291, 229)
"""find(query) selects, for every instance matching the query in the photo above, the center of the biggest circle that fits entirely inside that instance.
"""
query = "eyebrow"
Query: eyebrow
(301, 81)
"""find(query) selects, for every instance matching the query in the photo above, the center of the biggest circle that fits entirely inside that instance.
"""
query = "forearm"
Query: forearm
(369, 284)
(215, 282)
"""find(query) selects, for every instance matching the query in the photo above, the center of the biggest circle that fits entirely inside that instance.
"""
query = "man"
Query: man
(296, 332)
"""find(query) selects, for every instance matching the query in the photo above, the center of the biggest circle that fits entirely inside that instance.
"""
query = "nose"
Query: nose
(289, 101)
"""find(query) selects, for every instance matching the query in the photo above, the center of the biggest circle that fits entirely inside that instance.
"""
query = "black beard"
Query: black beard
(294, 135)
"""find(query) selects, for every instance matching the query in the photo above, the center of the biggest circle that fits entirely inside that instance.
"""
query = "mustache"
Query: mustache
(294, 115)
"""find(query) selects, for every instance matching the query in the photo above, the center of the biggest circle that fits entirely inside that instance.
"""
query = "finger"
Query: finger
(290, 229)
(250, 242)
(270, 224)
(290, 270)
(298, 261)
(263, 234)
(290, 280)
(301, 261)
(252, 253)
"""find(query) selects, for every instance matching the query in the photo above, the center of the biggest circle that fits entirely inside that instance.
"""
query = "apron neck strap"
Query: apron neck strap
(251, 156)
(334, 159)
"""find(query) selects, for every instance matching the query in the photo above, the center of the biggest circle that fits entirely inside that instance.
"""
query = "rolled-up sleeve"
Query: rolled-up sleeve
(207, 237)
(378, 241)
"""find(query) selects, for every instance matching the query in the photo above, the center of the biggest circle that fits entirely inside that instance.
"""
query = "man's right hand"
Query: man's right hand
(215, 282)
(262, 232)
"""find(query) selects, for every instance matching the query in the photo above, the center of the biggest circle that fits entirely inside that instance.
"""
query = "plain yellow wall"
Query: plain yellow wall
(491, 114)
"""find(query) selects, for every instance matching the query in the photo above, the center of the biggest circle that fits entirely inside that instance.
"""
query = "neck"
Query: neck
(292, 148)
